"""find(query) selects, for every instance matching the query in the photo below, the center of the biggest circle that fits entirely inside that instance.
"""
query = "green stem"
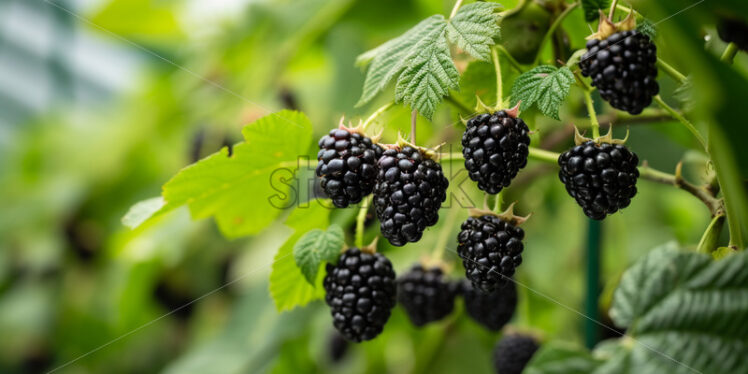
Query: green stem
(612, 11)
(553, 28)
(682, 120)
(729, 54)
(455, 8)
(360, 219)
(710, 239)
(499, 88)
(594, 124)
(413, 120)
(510, 58)
(499, 203)
(377, 113)
(543, 155)
(671, 71)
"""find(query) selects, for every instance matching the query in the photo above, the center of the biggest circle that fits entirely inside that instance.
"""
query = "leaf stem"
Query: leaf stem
(413, 119)
(543, 155)
(377, 113)
(671, 71)
(455, 8)
(682, 120)
(553, 28)
(594, 124)
(499, 88)
(729, 54)
(510, 58)
(360, 219)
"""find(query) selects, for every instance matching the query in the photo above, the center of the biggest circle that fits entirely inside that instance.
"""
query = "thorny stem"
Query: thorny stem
(594, 125)
(377, 113)
(729, 54)
(671, 71)
(554, 26)
(413, 119)
(360, 219)
(455, 8)
(443, 240)
(499, 88)
(510, 58)
(682, 120)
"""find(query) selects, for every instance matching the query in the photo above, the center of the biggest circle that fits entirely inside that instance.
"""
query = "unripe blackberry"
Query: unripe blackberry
(409, 191)
(495, 147)
(513, 352)
(732, 30)
(360, 291)
(601, 177)
(491, 249)
(492, 310)
(623, 69)
(347, 165)
(425, 294)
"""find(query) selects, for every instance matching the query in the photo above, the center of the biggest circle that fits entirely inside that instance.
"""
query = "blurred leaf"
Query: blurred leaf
(592, 7)
(473, 29)
(479, 79)
(546, 86)
(142, 210)
(315, 247)
(144, 20)
(288, 286)
(554, 358)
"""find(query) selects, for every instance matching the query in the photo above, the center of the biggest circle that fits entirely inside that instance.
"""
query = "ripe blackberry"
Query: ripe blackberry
(732, 30)
(425, 294)
(492, 310)
(491, 249)
(495, 147)
(622, 67)
(513, 352)
(409, 191)
(360, 291)
(601, 177)
(347, 165)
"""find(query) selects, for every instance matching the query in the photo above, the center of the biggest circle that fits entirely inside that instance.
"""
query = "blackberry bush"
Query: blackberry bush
(495, 147)
(622, 65)
(360, 291)
(347, 165)
(600, 176)
(409, 191)
(426, 294)
(513, 352)
(492, 310)
(490, 247)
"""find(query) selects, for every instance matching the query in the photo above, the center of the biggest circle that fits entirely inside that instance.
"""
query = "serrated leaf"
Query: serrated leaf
(315, 247)
(237, 189)
(545, 86)
(591, 8)
(429, 77)
(288, 286)
(392, 57)
(647, 27)
(555, 358)
(474, 28)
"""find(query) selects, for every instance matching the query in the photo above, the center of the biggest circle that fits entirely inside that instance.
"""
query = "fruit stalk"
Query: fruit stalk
(455, 8)
(376, 114)
(594, 124)
(360, 219)
(682, 120)
(499, 88)
(729, 54)
(413, 119)
(671, 71)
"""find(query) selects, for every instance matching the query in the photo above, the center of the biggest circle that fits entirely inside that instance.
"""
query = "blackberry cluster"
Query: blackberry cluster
(347, 166)
(602, 178)
(425, 294)
(360, 291)
(410, 189)
(495, 147)
(492, 310)
(490, 249)
(622, 67)
(733, 30)
(513, 352)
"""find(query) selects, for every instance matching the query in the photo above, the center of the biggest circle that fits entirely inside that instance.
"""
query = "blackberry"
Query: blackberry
(360, 291)
(347, 165)
(491, 249)
(409, 191)
(425, 294)
(601, 177)
(513, 352)
(492, 310)
(337, 347)
(732, 30)
(495, 147)
(622, 67)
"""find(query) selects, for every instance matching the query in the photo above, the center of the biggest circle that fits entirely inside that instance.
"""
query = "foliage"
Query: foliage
(545, 86)
(592, 8)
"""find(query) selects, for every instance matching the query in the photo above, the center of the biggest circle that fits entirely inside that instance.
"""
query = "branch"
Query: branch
(702, 193)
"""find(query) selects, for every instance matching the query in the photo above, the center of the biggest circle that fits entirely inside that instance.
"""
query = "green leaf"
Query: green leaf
(474, 28)
(546, 86)
(429, 77)
(315, 247)
(591, 8)
(238, 189)
(288, 286)
(554, 358)
(392, 57)
(142, 211)
(478, 79)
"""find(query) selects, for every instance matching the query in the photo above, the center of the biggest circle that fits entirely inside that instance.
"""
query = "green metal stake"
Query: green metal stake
(591, 327)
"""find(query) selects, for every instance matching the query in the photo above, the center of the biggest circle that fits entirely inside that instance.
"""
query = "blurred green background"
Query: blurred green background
(102, 101)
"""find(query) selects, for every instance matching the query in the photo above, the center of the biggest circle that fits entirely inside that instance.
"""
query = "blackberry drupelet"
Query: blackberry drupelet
(495, 147)
(409, 191)
(491, 249)
(426, 294)
(492, 310)
(601, 177)
(623, 69)
(732, 30)
(347, 165)
(513, 352)
(360, 291)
